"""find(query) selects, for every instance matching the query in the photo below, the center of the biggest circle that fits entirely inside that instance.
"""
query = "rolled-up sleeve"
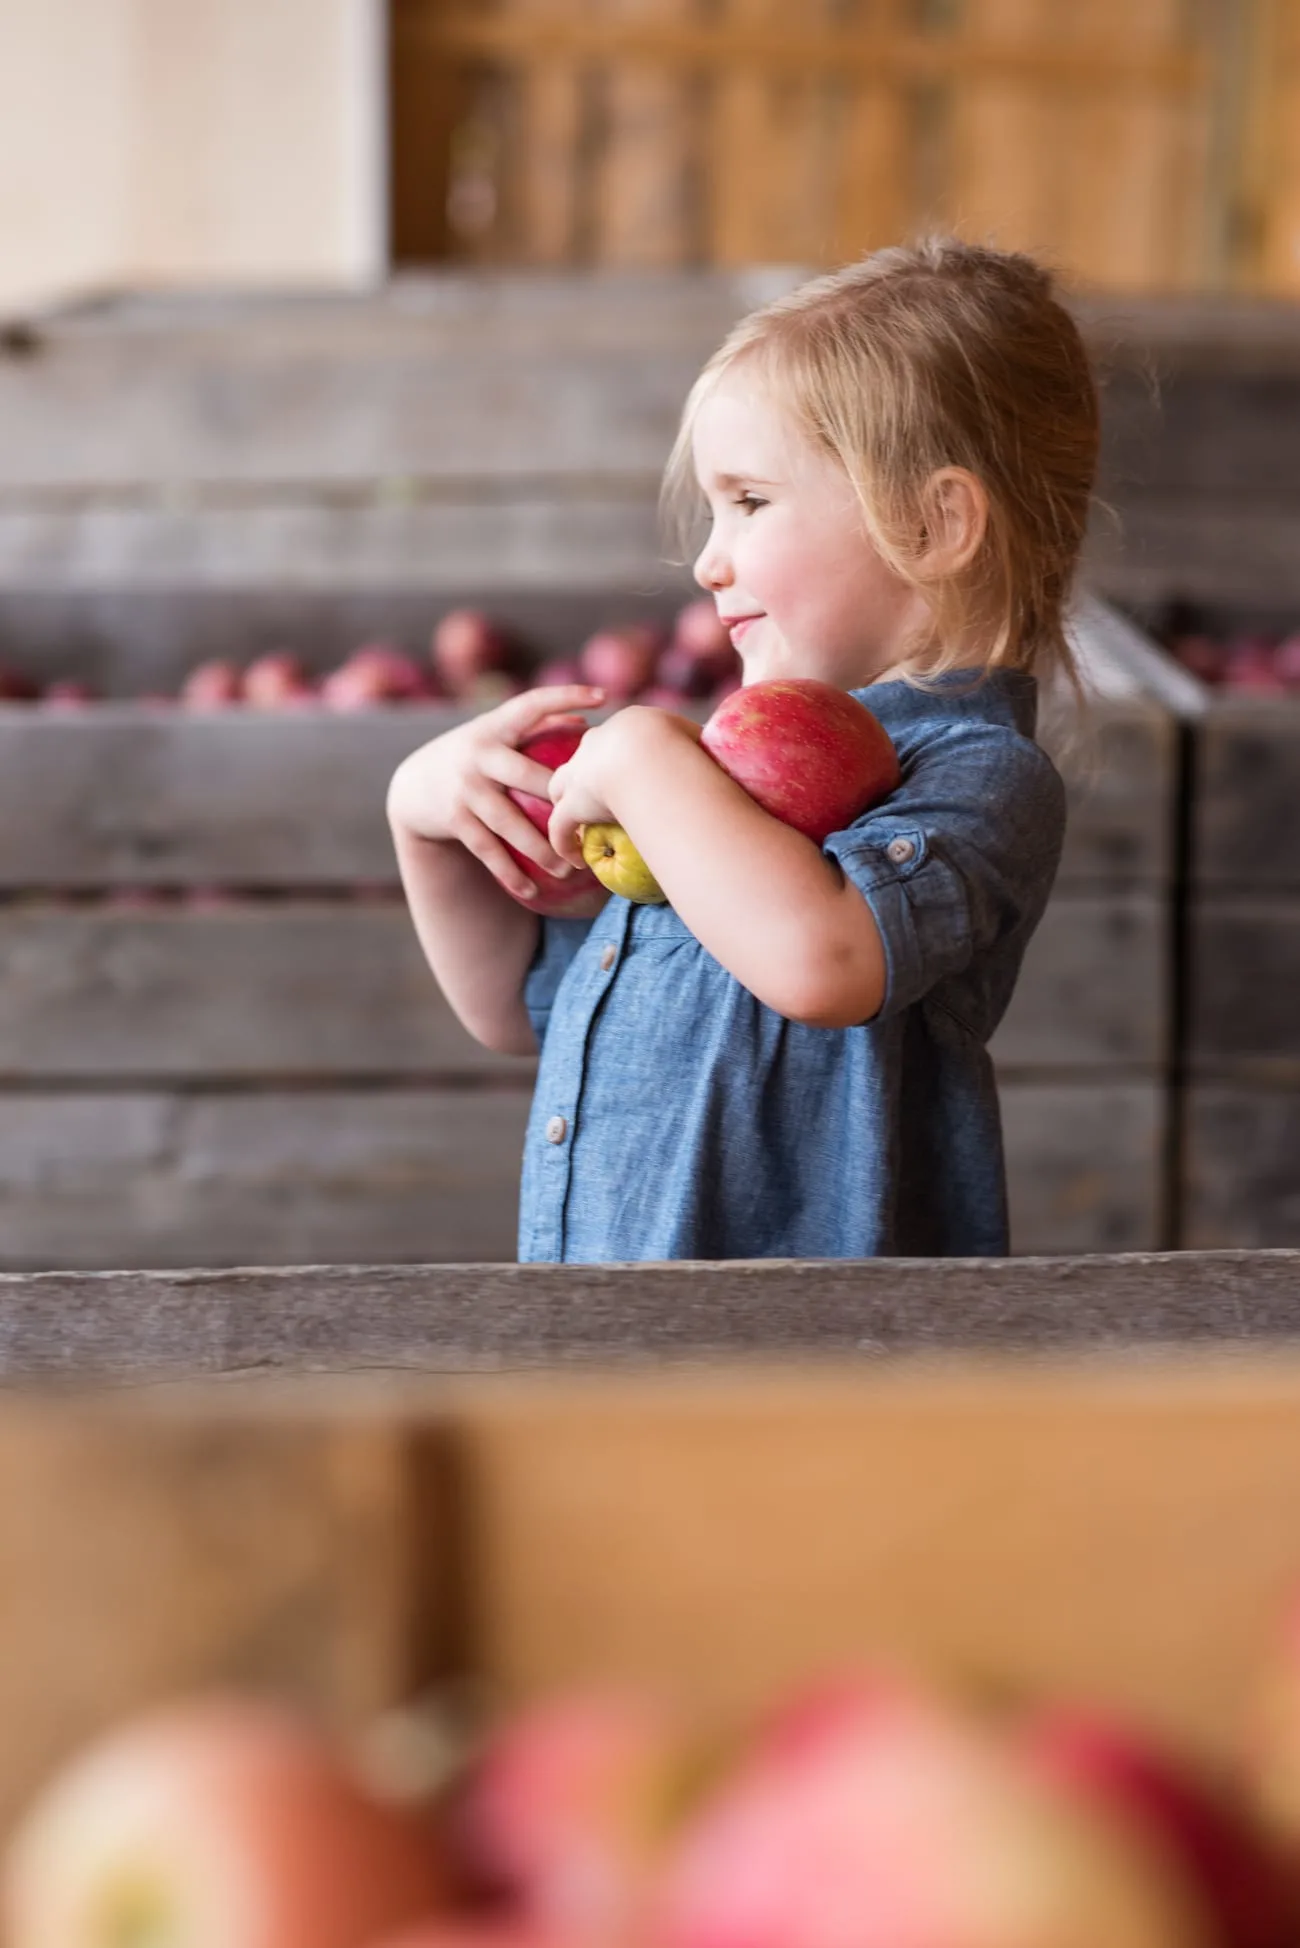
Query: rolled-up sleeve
(558, 942)
(961, 856)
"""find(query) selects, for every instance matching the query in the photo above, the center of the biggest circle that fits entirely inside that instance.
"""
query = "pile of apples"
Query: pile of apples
(869, 1811)
(471, 660)
(1250, 663)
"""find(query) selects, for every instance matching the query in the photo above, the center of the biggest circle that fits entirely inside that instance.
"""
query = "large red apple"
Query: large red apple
(915, 1828)
(569, 1811)
(217, 1823)
(1193, 1818)
(809, 754)
(551, 748)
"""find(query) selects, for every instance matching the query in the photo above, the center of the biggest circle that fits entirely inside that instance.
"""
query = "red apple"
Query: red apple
(620, 661)
(465, 646)
(1202, 655)
(211, 686)
(1286, 659)
(1249, 667)
(916, 1828)
(377, 673)
(217, 1820)
(278, 679)
(1193, 1819)
(468, 1932)
(809, 754)
(551, 748)
(568, 1812)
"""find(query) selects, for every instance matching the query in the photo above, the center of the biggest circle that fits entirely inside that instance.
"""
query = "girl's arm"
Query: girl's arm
(764, 900)
(450, 816)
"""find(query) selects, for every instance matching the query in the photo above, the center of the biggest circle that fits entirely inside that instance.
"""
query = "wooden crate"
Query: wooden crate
(550, 133)
(1020, 1473)
(310, 471)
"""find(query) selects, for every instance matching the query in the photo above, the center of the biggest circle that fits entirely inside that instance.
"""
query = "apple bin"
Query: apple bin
(359, 1488)
(256, 1067)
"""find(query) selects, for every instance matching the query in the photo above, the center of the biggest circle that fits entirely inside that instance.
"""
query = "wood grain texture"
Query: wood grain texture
(1117, 1534)
(1241, 1142)
(1246, 807)
(1085, 1163)
(1244, 981)
(147, 1554)
(70, 1329)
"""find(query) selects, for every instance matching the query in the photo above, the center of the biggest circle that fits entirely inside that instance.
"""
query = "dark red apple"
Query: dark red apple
(213, 686)
(621, 660)
(1286, 659)
(222, 1820)
(466, 645)
(551, 748)
(1202, 655)
(1249, 667)
(1239, 1878)
(809, 754)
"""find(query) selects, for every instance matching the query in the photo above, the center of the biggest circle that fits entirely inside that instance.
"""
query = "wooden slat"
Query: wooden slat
(1093, 990)
(645, 188)
(151, 1553)
(871, 200)
(1085, 1164)
(1212, 552)
(1241, 1142)
(462, 1318)
(1121, 763)
(1244, 956)
(273, 1177)
(1112, 1535)
(1246, 807)
(1001, 120)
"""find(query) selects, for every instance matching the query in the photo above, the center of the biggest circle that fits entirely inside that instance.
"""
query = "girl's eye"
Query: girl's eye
(749, 502)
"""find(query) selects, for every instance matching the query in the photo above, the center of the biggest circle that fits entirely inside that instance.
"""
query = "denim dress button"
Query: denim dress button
(900, 851)
(556, 1130)
(608, 958)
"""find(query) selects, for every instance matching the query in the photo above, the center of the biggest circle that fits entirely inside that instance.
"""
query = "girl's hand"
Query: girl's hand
(455, 786)
(582, 790)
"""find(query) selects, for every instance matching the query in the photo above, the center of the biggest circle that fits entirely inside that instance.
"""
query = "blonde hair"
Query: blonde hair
(941, 354)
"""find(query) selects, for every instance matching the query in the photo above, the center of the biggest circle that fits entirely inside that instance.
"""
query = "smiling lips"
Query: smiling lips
(737, 625)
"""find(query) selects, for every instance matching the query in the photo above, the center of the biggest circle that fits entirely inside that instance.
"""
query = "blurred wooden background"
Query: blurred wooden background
(1143, 144)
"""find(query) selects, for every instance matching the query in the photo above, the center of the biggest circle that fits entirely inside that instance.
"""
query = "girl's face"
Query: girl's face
(788, 560)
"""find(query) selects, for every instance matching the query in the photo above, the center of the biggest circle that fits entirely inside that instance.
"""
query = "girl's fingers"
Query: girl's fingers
(488, 849)
(507, 767)
(501, 816)
(566, 837)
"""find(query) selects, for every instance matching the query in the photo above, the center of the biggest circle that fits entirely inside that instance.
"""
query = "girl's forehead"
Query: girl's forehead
(740, 429)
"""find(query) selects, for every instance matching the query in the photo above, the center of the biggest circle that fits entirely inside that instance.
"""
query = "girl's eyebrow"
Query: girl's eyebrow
(740, 479)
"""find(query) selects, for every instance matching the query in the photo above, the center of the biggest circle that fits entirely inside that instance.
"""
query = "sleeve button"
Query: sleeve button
(900, 851)
(556, 1130)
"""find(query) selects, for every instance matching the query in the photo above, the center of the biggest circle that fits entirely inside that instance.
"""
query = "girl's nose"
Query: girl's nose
(711, 570)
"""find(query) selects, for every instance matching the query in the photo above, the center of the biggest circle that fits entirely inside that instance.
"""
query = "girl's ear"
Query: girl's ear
(956, 521)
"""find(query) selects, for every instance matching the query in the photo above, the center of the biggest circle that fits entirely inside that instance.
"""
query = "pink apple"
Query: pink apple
(1194, 1820)
(809, 754)
(570, 1809)
(916, 1828)
(66, 695)
(377, 673)
(278, 679)
(551, 748)
(465, 646)
(559, 672)
(620, 661)
(215, 1820)
(212, 686)
(700, 630)
(1249, 667)
(1286, 659)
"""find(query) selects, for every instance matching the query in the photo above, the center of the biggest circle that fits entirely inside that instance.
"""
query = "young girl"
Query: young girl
(790, 1058)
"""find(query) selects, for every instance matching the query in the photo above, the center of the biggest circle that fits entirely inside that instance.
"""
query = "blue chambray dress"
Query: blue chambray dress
(675, 1116)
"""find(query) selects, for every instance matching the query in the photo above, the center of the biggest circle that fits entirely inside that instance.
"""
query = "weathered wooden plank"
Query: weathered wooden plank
(339, 990)
(1241, 1166)
(274, 1177)
(1246, 803)
(123, 1326)
(150, 1553)
(1113, 1534)
(1244, 999)
(1221, 551)
(1121, 764)
(1085, 1164)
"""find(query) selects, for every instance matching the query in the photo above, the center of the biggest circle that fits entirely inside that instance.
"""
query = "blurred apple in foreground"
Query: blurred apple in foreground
(570, 1808)
(809, 754)
(912, 1827)
(1194, 1820)
(551, 748)
(218, 1823)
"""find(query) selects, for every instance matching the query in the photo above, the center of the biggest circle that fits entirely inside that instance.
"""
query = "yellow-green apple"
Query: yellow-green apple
(809, 754)
(551, 748)
(215, 1823)
(1198, 1820)
(618, 865)
(914, 1826)
(565, 1818)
